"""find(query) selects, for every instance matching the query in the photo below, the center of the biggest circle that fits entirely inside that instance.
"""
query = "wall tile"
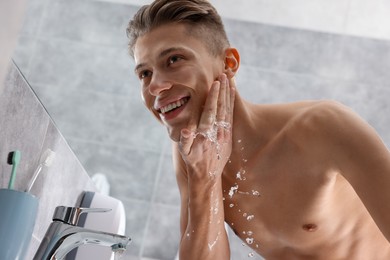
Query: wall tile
(327, 16)
(162, 236)
(62, 183)
(113, 120)
(27, 127)
(23, 53)
(369, 18)
(282, 49)
(167, 191)
(278, 87)
(35, 12)
(85, 21)
(363, 18)
(130, 172)
(365, 60)
(136, 215)
(34, 245)
(131, 2)
(98, 68)
(23, 127)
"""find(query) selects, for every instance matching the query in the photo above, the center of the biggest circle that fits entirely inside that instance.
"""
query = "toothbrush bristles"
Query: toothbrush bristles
(47, 159)
(9, 158)
(15, 159)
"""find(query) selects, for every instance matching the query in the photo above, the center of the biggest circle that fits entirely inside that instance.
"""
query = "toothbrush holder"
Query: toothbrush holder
(18, 211)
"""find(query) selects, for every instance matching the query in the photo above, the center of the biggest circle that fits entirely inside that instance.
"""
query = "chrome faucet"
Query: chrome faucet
(63, 235)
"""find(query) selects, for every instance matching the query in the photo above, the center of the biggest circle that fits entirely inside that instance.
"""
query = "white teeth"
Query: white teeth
(174, 105)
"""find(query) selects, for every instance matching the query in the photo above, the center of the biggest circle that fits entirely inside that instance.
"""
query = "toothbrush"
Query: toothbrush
(14, 159)
(46, 160)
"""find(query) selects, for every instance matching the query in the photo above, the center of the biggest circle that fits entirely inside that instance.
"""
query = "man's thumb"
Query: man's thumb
(186, 140)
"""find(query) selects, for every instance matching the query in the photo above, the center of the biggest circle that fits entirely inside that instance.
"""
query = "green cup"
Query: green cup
(18, 211)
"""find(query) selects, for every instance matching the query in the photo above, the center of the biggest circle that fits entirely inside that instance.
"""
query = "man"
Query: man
(306, 180)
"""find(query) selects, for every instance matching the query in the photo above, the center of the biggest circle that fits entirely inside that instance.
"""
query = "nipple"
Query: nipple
(310, 227)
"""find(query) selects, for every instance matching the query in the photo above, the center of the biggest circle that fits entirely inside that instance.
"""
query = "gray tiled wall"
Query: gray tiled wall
(73, 52)
(26, 126)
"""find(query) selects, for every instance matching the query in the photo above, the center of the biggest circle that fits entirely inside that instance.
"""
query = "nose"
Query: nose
(158, 83)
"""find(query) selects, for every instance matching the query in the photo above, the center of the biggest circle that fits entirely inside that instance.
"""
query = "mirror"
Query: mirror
(74, 55)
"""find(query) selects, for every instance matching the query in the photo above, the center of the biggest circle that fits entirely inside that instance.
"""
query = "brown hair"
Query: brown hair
(201, 17)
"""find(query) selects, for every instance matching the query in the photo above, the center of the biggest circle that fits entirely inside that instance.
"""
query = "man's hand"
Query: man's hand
(207, 148)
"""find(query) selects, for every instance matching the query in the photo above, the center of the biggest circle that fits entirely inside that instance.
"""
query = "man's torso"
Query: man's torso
(285, 202)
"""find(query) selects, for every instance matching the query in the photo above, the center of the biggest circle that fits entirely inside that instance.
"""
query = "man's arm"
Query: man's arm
(362, 159)
(365, 163)
(203, 235)
(199, 160)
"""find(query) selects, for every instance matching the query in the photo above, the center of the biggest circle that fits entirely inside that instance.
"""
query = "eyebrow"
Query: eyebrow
(161, 55)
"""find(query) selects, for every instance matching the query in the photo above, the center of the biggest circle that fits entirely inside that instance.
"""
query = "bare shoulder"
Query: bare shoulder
(311, 113)
(314, 118)
(338, 134)
(306, 111)
(327, 119)
(328, 128)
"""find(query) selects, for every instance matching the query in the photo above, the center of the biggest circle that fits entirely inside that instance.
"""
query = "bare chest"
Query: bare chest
(275, 208)
(295, 209)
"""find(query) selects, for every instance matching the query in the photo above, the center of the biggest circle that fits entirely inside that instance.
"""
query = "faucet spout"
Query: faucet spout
(61, 238)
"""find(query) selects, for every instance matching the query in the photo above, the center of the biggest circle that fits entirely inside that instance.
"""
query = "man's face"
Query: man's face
(176, 72)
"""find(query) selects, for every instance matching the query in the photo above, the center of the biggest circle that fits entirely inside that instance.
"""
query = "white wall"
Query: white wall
(365, 18)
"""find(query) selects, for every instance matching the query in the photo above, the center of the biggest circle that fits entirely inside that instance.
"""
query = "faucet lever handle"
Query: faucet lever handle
(71, 215)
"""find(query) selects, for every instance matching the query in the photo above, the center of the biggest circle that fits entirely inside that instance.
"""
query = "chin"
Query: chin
(174, 135)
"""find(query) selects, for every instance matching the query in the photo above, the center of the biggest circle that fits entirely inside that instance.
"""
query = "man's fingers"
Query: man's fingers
(222, 104)
(208, 116)
(217, 115)
(231, 97)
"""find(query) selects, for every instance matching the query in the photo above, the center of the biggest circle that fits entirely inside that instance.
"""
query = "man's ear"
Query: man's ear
(232, 62)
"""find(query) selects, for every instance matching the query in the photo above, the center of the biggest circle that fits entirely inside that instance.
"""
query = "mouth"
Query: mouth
(173, 106)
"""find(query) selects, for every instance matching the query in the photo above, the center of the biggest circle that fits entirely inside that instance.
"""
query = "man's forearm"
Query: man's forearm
(205, 236)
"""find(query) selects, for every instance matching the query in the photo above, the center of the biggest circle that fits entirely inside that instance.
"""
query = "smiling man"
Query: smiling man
(305, 180)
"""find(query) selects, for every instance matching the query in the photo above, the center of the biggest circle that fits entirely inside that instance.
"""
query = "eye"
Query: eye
(144, 74)
(174, 59)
